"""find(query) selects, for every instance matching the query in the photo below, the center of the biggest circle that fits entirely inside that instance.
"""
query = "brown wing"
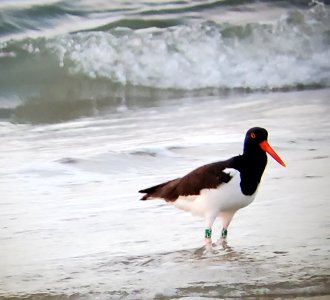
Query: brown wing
(205, 177)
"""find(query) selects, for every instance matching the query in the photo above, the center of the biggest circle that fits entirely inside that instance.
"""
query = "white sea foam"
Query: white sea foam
(154, 151)
(57, 174)
(292, 51)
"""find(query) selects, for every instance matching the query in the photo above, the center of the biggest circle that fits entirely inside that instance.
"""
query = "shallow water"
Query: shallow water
(72, 226)
(99, 99)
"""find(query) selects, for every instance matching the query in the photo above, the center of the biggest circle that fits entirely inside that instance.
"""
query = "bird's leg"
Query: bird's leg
(226, 218)
(224, 233)
(208, 231)
(208, 237)
(223, 238)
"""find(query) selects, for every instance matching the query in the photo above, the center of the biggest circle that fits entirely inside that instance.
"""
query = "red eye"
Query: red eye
(253, 135)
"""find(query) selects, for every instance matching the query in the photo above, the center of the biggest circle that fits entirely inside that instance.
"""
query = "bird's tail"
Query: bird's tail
(155, 191)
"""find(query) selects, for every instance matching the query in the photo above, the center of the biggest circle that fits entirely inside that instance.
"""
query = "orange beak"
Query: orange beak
(267, 148)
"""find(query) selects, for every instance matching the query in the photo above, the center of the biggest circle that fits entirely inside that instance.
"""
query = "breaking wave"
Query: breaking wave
(293, 52)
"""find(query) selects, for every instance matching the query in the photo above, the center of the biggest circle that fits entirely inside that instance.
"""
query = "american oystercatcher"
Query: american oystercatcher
(220, 189)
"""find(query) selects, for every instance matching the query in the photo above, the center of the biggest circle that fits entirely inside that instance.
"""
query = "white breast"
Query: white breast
(227, 197)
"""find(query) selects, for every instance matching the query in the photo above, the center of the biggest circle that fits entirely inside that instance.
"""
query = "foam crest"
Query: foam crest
(292, 52)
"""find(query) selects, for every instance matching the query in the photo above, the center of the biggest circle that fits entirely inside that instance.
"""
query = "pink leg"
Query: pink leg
(208, 229)
(226, 218)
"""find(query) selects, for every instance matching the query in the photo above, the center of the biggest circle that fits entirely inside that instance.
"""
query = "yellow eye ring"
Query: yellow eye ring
(253, 135)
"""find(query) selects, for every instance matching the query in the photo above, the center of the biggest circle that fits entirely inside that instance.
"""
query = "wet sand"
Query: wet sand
(72, 227)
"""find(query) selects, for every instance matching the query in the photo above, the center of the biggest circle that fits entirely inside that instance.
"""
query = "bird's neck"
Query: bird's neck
(251, 167)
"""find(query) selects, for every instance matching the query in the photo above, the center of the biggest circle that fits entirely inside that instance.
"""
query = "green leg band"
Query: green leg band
(224, 233)
(208, 233)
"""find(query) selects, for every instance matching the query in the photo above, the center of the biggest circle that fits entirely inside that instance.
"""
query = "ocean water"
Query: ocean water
(99, 99)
